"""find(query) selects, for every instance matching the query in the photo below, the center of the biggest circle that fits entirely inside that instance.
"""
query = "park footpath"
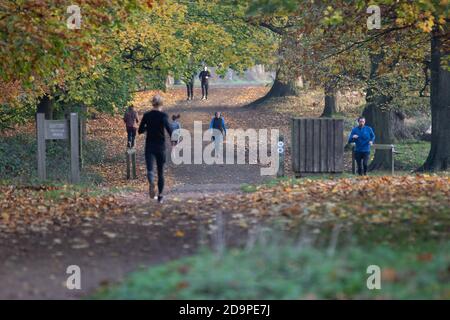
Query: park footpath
(34, 264)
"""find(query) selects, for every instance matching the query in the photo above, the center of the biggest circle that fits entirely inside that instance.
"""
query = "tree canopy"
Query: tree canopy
(118, 44)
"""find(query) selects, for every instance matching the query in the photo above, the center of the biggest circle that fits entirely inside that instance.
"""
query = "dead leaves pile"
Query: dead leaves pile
(39, 209)
(422, 200)
(418, 200)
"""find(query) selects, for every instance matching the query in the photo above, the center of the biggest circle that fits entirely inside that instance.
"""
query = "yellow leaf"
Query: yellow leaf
(179, 234)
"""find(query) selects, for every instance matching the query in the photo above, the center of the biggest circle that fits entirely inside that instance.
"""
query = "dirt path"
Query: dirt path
(203, 179)
(33, 266)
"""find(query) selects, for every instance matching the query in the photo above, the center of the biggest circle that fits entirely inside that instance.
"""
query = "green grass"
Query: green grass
(293, 272)
(412, 154)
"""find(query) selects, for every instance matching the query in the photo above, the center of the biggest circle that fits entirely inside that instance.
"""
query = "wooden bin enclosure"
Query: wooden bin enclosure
(317, 145)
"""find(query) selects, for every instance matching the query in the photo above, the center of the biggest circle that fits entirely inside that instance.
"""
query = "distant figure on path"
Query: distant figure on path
(176, 125)
(204, 78)
(363, 137)
(154, 122)
(218, 123)
(190, 88)
(131, 120)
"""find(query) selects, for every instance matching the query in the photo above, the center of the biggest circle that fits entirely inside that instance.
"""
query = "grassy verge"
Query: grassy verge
(412, 154)
(293, 272)
(340, 226)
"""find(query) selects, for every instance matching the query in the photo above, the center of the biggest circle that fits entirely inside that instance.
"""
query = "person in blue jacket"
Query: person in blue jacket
(363, 137)
(218, 123)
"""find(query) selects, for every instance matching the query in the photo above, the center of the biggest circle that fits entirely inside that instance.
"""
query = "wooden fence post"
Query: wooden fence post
(131, 164)
(40, 131)
(74, 149)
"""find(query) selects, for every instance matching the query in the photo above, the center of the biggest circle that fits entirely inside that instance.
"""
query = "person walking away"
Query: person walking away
(218, 123)
(176, 125)
(190, 87)
(154, 122)
(204, 78)
(363, 137)
(131, 120)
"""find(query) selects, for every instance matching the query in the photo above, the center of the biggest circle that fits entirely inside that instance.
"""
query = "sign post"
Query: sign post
(58, 130)
(74, 148)
(40, 126)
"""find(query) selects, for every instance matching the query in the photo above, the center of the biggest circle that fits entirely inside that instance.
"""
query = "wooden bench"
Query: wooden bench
(390, 147)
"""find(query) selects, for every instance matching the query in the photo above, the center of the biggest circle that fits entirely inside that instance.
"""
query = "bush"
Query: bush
(16, 156)
(292, 272)
(18, 162)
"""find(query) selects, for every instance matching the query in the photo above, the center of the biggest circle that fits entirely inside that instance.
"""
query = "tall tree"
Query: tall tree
(401, 18)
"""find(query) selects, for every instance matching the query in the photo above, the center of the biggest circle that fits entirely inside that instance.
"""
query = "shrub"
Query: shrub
(18, 159)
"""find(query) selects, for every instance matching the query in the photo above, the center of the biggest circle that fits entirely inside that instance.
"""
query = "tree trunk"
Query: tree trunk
(286, 83)
(45, 105)
(439, 156)
(330, 108)
(281, 88)
(381, 122)
(378, 115)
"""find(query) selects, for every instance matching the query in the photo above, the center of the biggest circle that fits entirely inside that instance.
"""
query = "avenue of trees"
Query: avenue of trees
(331, 46)
(328, 45)
(120, 45)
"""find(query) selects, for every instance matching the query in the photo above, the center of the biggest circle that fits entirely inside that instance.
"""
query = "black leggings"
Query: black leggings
(362, 158)
(205, 89)
(160, 156)
(190, 89)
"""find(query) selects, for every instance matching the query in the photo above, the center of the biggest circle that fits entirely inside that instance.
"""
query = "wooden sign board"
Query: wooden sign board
(59, 129)
(56, 129)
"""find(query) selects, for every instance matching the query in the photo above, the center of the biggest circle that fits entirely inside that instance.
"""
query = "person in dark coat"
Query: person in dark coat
(131, 120)
(204, 79)
(154, 123)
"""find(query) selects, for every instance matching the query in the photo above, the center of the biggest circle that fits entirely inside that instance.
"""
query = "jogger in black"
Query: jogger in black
(204, 78)
(190, 88)
(160, 157)
(154, 122)
(205, 87)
